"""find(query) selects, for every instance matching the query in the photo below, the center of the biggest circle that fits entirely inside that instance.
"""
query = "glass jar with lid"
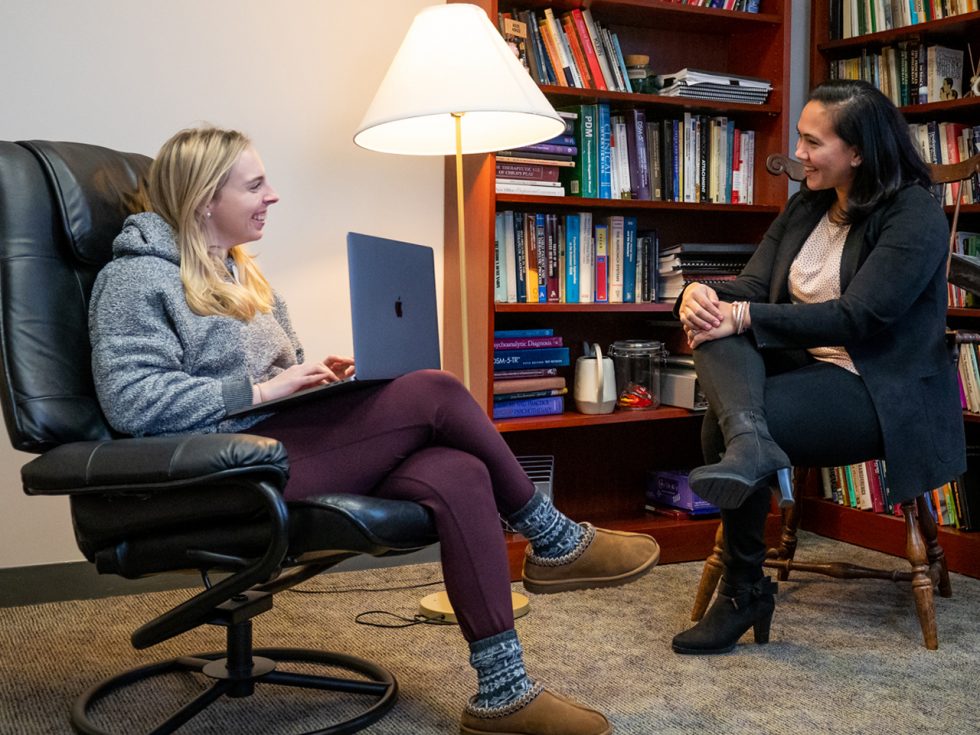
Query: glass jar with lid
(642, 80)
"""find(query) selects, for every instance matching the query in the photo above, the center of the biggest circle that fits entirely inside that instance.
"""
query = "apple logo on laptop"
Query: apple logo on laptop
(398, 308)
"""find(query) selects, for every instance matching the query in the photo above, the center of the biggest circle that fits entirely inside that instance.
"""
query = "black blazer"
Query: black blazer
(891, 318)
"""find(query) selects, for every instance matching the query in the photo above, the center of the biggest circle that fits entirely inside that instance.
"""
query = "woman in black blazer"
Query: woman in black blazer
(829, 348)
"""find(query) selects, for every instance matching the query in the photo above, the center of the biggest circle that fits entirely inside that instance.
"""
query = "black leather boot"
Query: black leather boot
(751, 457)
(734, 611)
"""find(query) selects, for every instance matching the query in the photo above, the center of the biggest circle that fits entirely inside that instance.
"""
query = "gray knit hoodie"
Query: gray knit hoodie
(159, 368)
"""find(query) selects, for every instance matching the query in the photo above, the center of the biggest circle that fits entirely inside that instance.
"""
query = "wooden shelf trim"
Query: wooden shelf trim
(886, 533)
(655, 13)
(953, 25)
(571, 419)
(574, 308)
(577, 96)
(577, 203)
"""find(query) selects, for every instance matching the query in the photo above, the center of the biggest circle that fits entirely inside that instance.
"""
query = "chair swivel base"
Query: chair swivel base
(380, 686)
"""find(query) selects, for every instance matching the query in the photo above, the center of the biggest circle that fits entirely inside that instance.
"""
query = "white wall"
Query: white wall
(296, 76)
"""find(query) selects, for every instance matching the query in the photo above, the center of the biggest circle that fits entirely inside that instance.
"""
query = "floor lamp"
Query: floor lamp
(456, 87)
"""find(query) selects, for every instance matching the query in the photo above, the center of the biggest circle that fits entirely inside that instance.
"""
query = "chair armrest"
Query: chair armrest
(154, 464)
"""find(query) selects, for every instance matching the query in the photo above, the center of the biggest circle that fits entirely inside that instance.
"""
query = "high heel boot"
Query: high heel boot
(734, 611)
(751, 457)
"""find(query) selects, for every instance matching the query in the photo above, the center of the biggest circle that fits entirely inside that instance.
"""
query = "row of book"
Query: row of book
(967, 243)
(865, 486)
(949, 142)
(694, 158)
(850, 18)
(525, 373)
(710, 263)
(968, 367)
(552, 258)
(567, 50)
(908, 73)
(743, 6)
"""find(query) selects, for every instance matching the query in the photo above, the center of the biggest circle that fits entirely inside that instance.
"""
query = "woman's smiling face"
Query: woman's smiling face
(236, 214)
(829, 162)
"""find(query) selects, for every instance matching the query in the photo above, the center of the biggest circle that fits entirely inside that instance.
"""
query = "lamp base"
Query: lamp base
(436, 606)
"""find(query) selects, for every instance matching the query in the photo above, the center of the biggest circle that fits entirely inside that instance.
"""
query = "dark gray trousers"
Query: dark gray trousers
(818, 413)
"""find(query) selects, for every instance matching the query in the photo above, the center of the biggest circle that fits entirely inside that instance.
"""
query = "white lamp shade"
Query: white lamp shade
(454, 61)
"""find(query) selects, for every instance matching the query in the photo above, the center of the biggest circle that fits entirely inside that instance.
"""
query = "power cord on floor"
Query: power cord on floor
(360, 619)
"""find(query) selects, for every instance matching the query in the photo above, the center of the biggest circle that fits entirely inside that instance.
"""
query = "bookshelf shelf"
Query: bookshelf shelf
(574, 418)
(886, 533)
(954, 26)
(602, 462)
(582, 308)
(877, 531)
(633, 205)
(563, 96)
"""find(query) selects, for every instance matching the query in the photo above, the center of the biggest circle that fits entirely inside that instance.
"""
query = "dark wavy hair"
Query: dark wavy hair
(866, 119)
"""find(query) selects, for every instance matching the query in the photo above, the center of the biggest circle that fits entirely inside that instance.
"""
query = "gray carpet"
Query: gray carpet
(843, 659)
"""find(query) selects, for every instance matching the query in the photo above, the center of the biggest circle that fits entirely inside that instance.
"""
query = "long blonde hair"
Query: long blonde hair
(186, 175)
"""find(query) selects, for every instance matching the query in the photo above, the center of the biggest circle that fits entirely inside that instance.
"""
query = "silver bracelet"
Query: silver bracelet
(740, 307)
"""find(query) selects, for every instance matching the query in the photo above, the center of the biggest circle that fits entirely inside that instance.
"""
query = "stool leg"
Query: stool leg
(935, 553)
(921, 584)
(710, 576)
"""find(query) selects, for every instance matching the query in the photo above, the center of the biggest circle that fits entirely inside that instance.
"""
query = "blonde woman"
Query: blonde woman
(185, 329)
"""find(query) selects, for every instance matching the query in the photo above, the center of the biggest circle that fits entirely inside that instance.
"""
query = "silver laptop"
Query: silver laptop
(393, 316)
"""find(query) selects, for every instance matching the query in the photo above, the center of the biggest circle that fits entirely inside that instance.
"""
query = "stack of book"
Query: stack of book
(711, 263)
(695, 158)
(525, 373)
(569, 50)
(707, 85)
(534, 169)
(566, 259)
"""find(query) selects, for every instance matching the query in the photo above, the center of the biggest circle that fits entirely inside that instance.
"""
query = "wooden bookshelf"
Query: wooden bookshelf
(602, 461)
(878, 531)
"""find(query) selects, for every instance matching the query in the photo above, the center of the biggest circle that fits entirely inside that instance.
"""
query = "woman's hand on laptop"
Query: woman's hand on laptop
(340, 367)
(292, 379)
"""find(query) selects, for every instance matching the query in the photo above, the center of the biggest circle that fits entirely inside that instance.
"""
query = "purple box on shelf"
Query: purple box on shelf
(671, 488)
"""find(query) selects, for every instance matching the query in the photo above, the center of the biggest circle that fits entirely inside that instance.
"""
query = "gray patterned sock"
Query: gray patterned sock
(550, 532)
(501, 678)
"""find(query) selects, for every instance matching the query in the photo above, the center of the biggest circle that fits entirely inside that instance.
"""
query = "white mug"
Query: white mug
(595, 384)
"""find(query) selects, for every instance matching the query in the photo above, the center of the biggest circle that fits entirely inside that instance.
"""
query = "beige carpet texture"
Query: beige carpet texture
(843, 658)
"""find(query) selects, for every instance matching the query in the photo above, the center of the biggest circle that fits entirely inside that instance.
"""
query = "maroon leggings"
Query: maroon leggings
(421, 437)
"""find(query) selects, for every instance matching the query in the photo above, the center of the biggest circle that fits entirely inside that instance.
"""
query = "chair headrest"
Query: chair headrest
(95, 189)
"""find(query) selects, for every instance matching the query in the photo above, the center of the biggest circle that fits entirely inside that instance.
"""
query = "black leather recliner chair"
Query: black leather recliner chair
(148, 505)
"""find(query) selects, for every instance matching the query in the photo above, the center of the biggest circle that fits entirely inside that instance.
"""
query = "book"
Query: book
(944, 72)
(588, 48)
(511, 333)
(529, 189)
(518, 385)
(523, 343)
(572, 258)
(616, 229)
(600, 292)
(522, 395)
(530, 358)
(527, 171)
(604, 128)
(518, 374)
(546, 406)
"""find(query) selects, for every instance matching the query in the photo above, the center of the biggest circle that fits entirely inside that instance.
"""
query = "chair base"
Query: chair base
(927, 569)
(240, 668)
(381, 686)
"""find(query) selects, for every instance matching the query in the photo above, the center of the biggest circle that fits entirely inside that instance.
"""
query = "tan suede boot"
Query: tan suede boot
(603, 559)
(541, 713)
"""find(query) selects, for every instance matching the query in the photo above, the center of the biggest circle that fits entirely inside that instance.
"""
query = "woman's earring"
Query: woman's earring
(208, 215)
